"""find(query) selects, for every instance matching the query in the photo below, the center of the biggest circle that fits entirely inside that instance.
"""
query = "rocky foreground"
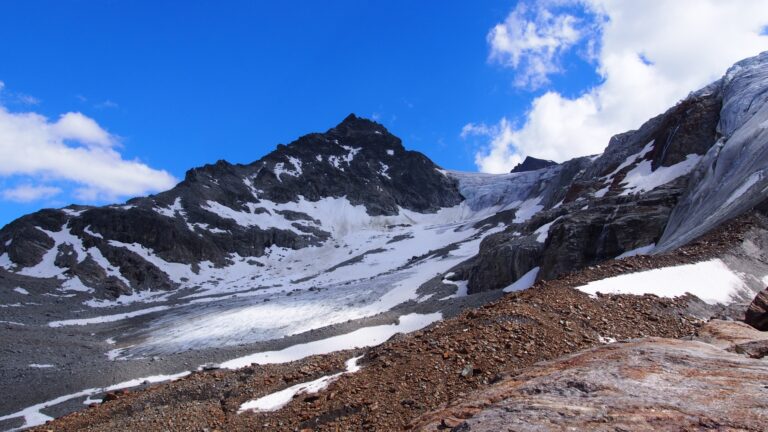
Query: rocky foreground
(478, 370)
(648, 384)
(400, 379)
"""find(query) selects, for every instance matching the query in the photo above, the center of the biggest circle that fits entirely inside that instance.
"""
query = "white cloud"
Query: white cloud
(77, 127)
(107, 104)
(480, 129)
(27, 99)
(499, 157)
(649, 55)
(73, 149)
(530, 40)
(28, 193)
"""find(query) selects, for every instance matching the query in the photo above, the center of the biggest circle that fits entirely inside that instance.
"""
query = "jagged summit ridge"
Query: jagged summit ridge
(299, 195)
(532, 164)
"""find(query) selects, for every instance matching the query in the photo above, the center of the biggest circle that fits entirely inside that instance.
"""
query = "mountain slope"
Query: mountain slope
(411, 375)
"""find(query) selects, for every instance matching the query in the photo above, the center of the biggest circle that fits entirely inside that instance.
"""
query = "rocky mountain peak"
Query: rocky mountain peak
(355, 127)
(532, 164)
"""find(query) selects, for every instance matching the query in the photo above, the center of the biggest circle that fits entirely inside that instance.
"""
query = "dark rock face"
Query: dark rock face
(612, 227)
(367, 165)
(757, 313)
(688, 128)
(27, 242)
(589, 227)
(532, 164)
(503, 259)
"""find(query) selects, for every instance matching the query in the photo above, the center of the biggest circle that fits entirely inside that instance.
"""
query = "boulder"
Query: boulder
(757, 312)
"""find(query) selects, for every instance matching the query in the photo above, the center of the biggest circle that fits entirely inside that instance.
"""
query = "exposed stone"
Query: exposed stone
(757, 312)
(754, 349)
(616, 387)
(532, 164)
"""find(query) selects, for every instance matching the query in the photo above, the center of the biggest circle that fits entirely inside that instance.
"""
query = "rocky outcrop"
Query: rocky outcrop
(608, 206)
(617, 387)
(503, 258)
(757, 313)
(532, 164)
(360, 160)
(605, 230)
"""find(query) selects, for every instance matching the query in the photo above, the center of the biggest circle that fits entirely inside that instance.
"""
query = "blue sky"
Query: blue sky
(177, 85)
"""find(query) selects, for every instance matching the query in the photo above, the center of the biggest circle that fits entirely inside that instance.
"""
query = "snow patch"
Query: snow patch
(75, 284)
(336, 161)
(363, 337)
(748, 183)
(88, 231)
(12, 322)
(711, 281)
(114, 354)
(526, 281)
(527, 209)
(631, 159)
(106, 318)
(384, 170)
(71, 212)
(543, 231)
(277, 400)
(47, 268)
(33, 417)
(171, 211)
(21, 291)
(263, 220)
(5, 261)
(111, 270)
(280, 168)
(462, 287)
(641, 178)
(606, 339)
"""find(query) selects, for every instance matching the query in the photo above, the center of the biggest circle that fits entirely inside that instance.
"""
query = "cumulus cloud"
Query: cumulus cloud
(72, 149)
(649, 55)
(77, 127)
(530, 40)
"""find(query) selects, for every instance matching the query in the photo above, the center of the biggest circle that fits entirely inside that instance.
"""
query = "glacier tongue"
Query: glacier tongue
(362, 272)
